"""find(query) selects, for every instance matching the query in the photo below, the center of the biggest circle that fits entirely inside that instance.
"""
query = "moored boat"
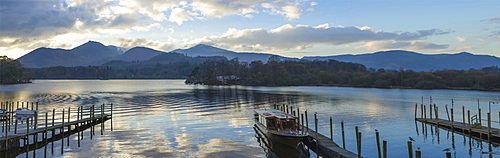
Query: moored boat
(279, 126)
(25, 111)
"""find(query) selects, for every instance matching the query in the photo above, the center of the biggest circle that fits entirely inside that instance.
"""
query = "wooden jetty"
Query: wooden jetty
(13, 140)
(474, 131)
(470, 126)
(326, 145)
(317, 141)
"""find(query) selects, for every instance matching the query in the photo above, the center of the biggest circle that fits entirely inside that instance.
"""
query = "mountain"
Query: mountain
(164, 58)
(396, 59)
(138, 54)
(206, 50)
(90, 53)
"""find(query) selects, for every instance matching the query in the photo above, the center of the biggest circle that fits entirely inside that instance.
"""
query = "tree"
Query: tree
(11, 71)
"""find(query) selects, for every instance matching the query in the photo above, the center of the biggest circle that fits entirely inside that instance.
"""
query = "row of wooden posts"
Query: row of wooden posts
(381, 151)
(471, 121)
(6, 124)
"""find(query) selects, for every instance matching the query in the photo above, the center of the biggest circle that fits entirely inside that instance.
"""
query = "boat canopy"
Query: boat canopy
(274, 113)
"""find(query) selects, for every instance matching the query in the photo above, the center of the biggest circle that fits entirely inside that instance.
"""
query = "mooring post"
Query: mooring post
(468, 115)
(448, 154)
(410, 150)
(421, 110)
(430, 111)
(418, 154)
(62, 127)
(384, 145)
(425, 114)
(357, 140)
(378, 143)
(307, 121)
(301, 123)
(69, 117)
(359, 144)
(343, 134)
(479, 110)
(78, 124)
(53, 129)
(316, 130)
(436, 111)
(331, 128)
(416, 110)
(15, 127)
(102, 119)
(489, 127)
(27, 136)
(113, 116)
(46, 127)
(452, 120)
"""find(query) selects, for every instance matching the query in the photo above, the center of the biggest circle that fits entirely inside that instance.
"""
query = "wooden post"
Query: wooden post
(301, 125)
(421, 110)
(15, 128)
(430, 111)
(468, 115)
(343, 134)
(331, 128)
(78, 124)
(359, 144)
(463, 117)
(307, 121)
(384, 145)
(111, 111)
(378, 144)
(62, 127)
(27, 135)
(448, 154)
(410, 150)
(479, 110)
(452, 120)
(436, 111)
(46, 127)
(489, 127)
(102, 119)
(418, 154)
(425, 114)
(416, 110)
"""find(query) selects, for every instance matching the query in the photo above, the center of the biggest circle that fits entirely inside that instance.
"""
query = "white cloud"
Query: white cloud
(141, 42)
(303, 36)
(405, 45)
(180, 15)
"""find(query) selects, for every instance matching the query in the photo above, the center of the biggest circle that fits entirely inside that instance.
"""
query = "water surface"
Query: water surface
(165, 118)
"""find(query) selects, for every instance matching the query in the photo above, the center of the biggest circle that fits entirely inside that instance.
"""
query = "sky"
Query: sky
(291, 28)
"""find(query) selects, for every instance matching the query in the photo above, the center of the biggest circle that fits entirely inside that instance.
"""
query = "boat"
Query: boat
(25, 111)
(3, 114)
(279, 126)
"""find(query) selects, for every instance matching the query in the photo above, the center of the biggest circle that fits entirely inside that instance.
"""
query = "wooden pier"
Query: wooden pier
(13, 140)
(327, 146)
(475, 131)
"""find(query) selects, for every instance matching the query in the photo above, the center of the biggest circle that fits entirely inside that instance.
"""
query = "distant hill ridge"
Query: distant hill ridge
(95, 53)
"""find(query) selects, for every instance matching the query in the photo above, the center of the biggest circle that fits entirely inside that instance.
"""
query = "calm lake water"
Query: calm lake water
(165, 118)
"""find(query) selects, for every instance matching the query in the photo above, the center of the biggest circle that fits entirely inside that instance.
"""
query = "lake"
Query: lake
(166, 118)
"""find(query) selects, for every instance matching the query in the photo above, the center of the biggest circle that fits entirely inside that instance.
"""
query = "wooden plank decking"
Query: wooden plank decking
(328, 147)
(477, 132)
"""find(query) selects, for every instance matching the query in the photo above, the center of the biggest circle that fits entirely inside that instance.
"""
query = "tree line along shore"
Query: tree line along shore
(275, 72)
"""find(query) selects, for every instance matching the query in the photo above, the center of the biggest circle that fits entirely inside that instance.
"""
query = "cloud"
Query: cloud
(304, 36)
(141, 42)
(180, 15)
(406, 45)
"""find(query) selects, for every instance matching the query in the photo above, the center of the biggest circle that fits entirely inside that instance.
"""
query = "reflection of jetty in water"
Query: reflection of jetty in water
(470, 129)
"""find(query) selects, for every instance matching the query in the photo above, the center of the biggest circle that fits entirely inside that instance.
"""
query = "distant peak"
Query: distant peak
(202, 45)
(465, 53)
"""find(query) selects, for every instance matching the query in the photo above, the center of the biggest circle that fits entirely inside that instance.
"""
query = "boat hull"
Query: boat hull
(291, 140)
